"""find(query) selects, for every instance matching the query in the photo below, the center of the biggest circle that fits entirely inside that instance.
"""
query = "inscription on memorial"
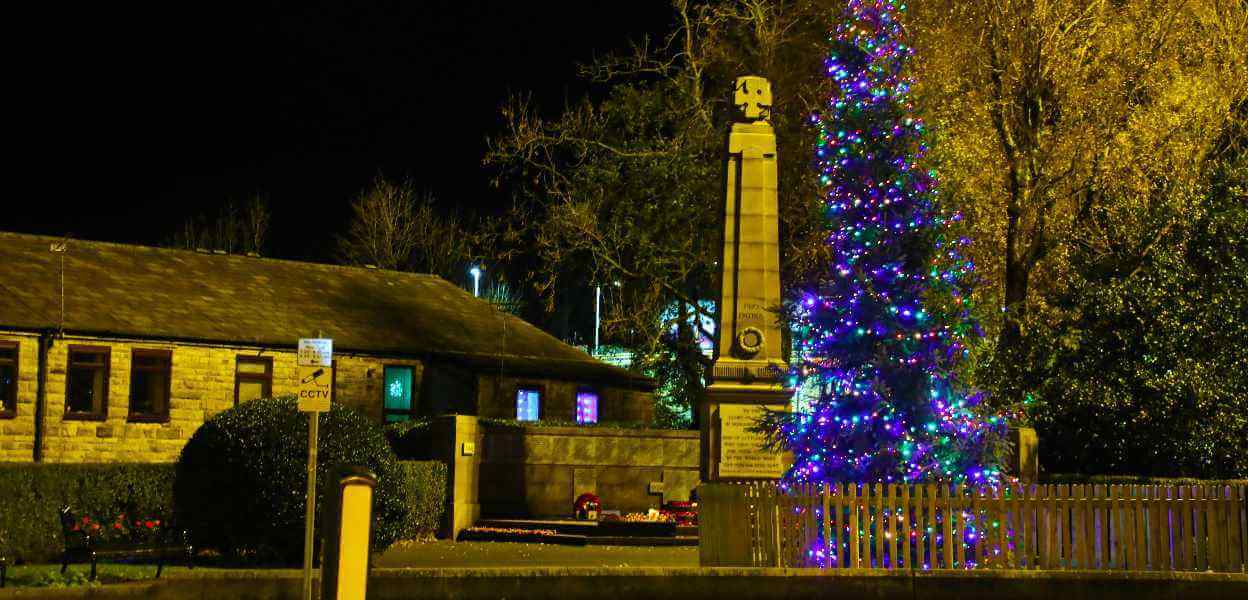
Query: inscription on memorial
(741, 449)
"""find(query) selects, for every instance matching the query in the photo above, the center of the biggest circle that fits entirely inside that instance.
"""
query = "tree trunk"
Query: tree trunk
(1017, 275)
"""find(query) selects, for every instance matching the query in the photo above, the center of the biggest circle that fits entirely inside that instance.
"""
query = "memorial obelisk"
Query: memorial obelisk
(749, 356)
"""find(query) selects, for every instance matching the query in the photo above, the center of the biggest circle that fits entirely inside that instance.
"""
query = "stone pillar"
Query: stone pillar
(749, 356)
(1025, 456)
(456, 441)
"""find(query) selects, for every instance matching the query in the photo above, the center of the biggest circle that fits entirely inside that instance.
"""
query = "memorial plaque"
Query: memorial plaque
(741, 453)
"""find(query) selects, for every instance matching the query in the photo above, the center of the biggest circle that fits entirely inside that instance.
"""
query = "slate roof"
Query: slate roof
(159, 293)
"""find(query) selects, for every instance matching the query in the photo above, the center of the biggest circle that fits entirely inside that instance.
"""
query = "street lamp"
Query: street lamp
(597, 315)
(475, 271)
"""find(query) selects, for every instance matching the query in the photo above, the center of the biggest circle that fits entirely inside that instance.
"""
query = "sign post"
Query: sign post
(316, 375)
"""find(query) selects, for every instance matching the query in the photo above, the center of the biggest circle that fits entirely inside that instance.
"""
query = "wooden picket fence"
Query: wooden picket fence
(878, 526)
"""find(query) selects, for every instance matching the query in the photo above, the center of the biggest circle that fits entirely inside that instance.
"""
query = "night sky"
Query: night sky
(132, 117)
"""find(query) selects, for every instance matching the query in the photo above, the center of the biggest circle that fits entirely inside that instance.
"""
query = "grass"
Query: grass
(411, 553)
(77, 574)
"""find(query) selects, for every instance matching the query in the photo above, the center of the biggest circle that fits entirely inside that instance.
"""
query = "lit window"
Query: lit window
(8, 379)
(253, 378)
(586, 406)
(149, 385)
(528, 404)
(397, 390)
(86, 383)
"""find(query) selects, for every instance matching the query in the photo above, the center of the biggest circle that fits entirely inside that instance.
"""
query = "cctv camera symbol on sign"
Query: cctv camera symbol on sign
(314, 378)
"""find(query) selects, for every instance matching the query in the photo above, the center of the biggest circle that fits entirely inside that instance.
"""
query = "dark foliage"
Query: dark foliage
(30, 527)
(241, 478)
(1148, 375)
(425, 483)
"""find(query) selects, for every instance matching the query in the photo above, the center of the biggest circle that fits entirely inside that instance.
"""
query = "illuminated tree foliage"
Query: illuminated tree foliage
(1146, 372)
(887, 322)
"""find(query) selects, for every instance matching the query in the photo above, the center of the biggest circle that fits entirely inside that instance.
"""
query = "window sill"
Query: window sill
(147, 419)
(8, 414)
(84, 417)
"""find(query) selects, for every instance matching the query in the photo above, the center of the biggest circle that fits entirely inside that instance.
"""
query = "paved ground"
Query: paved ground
(445, 554)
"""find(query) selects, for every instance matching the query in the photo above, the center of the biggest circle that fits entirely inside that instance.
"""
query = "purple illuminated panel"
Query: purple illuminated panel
(528, 404)
(586, 406)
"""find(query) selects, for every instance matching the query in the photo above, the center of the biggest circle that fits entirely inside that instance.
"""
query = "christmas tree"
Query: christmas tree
(878, 337)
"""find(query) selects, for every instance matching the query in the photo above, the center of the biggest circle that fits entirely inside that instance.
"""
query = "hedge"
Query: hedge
(32, 495)
(426, 486)
(240, 478)
(412, 439)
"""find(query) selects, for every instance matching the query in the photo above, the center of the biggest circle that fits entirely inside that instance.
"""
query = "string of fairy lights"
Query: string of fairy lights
(880, 334)
(891, 409)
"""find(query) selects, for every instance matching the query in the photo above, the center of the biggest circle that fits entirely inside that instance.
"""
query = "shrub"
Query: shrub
(241, 478)
(34, 493)
(425, 483)
(412, 439)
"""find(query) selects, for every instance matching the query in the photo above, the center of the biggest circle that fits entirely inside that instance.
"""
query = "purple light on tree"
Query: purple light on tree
(883, 328)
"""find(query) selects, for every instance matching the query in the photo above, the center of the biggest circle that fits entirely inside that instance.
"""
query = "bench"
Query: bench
(82, 545)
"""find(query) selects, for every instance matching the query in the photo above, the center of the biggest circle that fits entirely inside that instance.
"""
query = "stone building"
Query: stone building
(112, 352)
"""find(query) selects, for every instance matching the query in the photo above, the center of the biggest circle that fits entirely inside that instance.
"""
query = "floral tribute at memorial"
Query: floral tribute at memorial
(879, 335)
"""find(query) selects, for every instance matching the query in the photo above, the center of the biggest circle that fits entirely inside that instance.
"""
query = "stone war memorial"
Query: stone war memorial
(749, 355)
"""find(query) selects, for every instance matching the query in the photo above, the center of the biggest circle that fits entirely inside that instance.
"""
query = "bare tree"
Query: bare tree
(394, 227)
(629, 189)
(383, 227)
(234, 229)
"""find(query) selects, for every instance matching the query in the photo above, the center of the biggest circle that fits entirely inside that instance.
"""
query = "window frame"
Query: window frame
(576, 404)
(266, 379)
(107, 354)
(146, 417)
(9, 412)
(413, 411)
(540, 388)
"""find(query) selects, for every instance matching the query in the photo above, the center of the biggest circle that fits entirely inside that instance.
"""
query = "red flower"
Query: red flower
(158, 522)
(86, 520)
(150, 524)
(116, 525)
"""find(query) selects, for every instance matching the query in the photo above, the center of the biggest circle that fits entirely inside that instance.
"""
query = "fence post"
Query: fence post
(905, 526)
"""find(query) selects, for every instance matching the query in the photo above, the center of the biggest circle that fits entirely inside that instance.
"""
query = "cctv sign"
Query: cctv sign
(316, 374)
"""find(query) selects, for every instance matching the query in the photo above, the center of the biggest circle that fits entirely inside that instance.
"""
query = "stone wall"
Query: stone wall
(202, 385)
(611, 582)
(203, 378)
(538, 471)
(496, 398)
(17, 434)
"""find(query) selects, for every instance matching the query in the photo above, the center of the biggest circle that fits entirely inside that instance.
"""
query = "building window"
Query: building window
(8, 379)
(86, 383)
(253, 378)
(397, 390)
(150, 385)
(528, 403)
(586, 406)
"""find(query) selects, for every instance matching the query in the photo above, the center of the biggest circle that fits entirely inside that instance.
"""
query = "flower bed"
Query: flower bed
(513, 534)
(121, 529)
(638, 524)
